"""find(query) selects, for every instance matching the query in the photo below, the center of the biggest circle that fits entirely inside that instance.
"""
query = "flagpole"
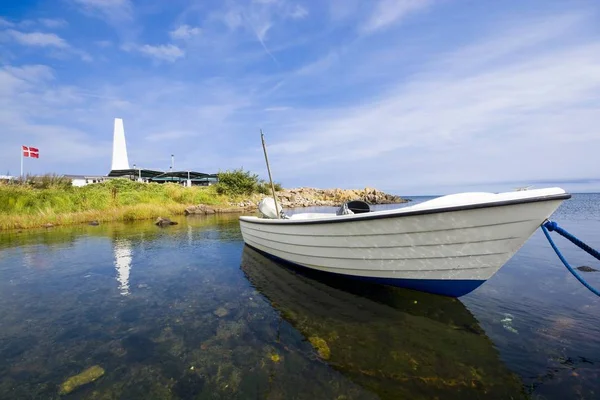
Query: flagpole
(21, 163)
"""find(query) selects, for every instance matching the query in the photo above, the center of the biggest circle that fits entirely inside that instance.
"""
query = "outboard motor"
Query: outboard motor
(267, 208)
(354, 207)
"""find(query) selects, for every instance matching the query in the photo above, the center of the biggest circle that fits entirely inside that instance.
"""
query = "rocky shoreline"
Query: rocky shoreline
(305, 197)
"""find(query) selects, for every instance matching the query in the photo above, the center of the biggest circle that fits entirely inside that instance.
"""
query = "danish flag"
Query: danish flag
(31, 152)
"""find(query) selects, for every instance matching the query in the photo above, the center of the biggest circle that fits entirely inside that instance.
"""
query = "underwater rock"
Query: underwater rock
(221, 312)
(89, 375)
(321, 346)
(160, 221)
(585, 268)
(189, 386)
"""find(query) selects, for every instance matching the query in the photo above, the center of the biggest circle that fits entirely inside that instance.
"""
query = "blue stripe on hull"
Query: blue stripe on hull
(445, 287)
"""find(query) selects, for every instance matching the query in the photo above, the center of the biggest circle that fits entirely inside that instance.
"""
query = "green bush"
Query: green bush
(239, 182)
(265, 187)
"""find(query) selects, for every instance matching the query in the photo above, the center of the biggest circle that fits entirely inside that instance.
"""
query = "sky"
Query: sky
(407, 96)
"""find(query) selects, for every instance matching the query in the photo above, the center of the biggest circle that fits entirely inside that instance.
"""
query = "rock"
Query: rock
(48, 225)
(585, 268)
(221, 312)
(160, 221)
(321, 346)
(94, 223)
(87, 376)
(199, 209)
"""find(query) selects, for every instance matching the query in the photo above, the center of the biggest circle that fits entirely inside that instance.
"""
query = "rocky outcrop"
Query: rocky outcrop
(311, 197)
(303, 197)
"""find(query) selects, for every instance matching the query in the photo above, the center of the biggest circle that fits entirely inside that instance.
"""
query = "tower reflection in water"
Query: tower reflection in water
(123, 256)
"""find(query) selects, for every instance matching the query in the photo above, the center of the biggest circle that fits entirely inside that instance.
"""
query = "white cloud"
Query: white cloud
(165, 52)
(277, 108)
(53, 23)
(30, 73)
(6, 23)
(103, 43)
(184, 32)
(298, 12)
(169, 135)
(389, 12)
(233, 19)
(115, 11)
(267, 20)
(459, 121)
(38, 39)
(342, 9)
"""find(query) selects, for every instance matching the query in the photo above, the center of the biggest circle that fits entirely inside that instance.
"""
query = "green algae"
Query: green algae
(321, 346)
(88, 376)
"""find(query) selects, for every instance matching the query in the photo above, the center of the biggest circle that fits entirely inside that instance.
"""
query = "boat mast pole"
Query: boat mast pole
(262, 138)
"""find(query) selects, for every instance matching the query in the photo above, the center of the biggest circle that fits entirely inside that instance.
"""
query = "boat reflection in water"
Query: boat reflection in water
(396, 343)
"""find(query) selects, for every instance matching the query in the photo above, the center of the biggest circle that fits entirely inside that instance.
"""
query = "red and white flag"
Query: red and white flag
(31, 152)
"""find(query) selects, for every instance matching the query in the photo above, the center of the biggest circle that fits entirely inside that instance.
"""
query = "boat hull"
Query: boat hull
(445, 287)
(447, 250)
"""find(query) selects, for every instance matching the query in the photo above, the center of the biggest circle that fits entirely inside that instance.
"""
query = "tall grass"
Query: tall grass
(25, 206)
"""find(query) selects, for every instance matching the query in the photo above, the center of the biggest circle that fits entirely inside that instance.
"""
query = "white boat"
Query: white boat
(449, 245)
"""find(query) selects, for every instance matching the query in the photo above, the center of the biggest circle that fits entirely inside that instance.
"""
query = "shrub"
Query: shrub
(264, 187)
(237, 182)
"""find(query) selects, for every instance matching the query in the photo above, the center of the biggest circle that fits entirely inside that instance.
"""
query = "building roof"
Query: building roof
(72, 176)
(145, 173)
(172, 175)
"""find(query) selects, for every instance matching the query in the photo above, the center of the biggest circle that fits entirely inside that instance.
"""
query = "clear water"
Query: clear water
(187, 312)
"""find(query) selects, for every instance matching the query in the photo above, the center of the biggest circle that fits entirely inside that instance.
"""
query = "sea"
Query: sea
(189, 312)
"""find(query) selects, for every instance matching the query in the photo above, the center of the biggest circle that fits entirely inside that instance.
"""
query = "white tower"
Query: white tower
(119, 157)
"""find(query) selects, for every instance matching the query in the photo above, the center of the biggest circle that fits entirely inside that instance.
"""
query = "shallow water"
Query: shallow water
(188, 312)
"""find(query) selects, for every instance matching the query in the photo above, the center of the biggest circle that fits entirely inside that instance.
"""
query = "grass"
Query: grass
(27, 206)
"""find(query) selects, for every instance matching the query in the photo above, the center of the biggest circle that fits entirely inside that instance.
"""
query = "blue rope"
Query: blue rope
(553, 226)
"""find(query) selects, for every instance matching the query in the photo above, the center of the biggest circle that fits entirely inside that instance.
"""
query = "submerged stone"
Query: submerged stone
(221, 312)
(321, 346)
(160, 221)
(585, 268)
(87, 376)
